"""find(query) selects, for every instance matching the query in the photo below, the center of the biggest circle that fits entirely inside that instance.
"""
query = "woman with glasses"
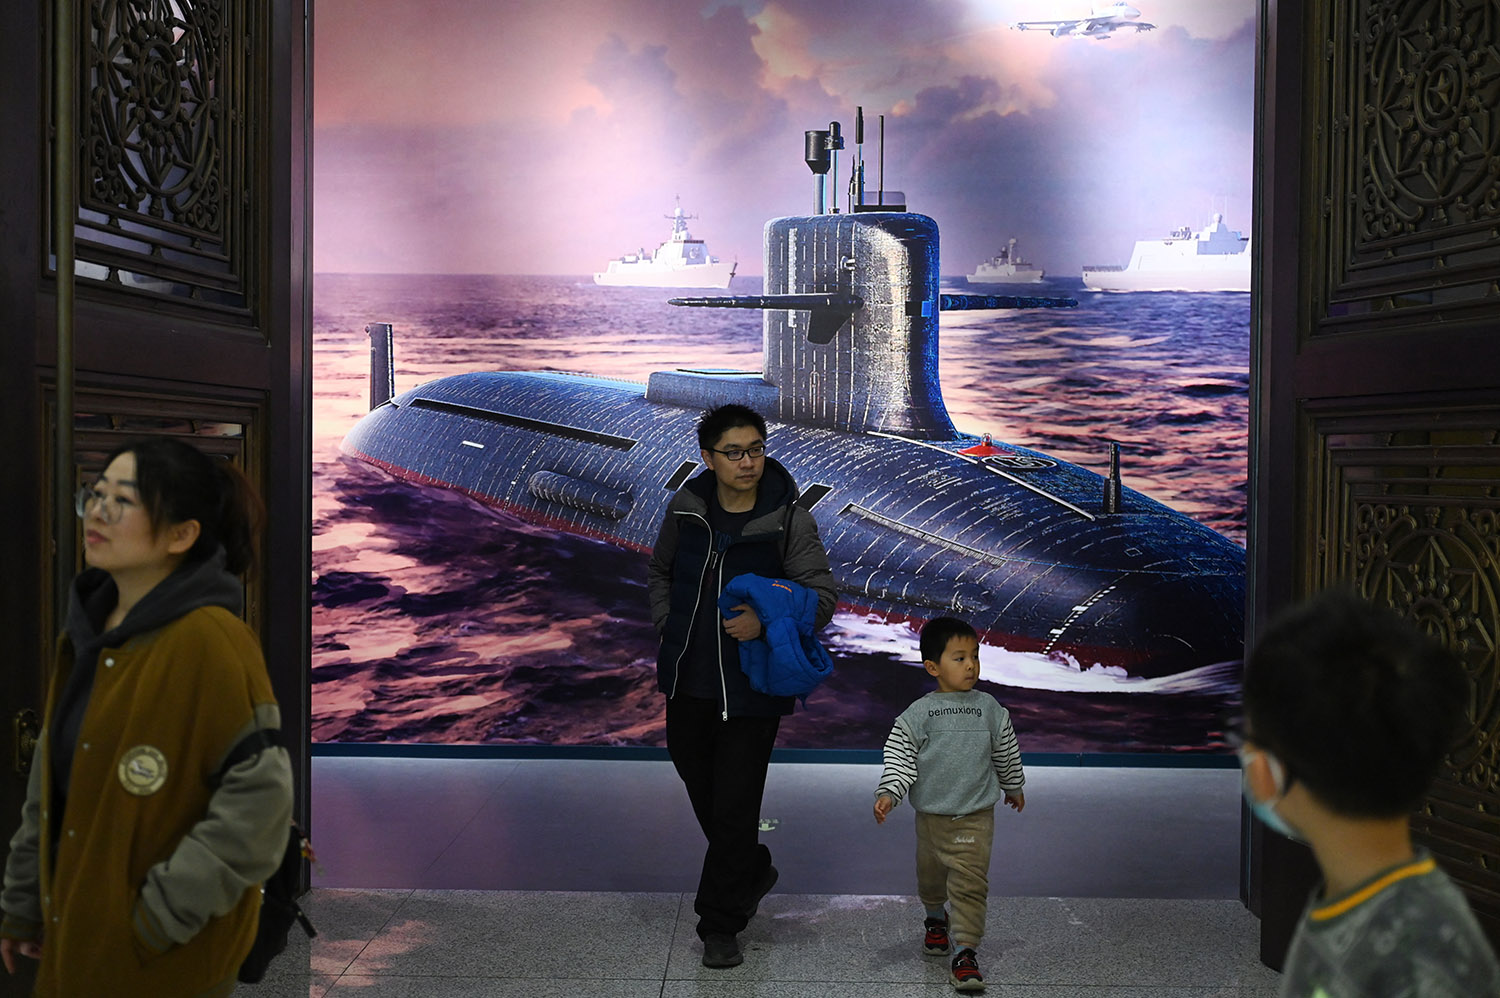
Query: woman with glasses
(137, 865)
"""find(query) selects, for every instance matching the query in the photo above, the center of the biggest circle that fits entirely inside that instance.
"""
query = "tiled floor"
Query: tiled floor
(1114, 883)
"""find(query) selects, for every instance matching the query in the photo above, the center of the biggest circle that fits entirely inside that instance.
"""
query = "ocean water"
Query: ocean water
(437, 619)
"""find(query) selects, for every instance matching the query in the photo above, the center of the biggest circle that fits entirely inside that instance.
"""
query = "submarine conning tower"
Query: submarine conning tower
(879, 368)
(851, 306)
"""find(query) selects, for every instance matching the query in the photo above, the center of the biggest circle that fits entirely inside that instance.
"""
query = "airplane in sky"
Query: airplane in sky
(1101, 22)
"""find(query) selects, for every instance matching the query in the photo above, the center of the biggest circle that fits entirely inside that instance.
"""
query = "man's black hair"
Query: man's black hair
(717, 422)
(1358, 703)
(938, 631)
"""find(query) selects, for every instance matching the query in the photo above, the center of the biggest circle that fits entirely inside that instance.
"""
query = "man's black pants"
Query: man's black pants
(723, 766)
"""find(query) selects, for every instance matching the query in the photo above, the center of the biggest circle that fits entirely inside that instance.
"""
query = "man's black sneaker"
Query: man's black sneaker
(762, 888)
(720, 949)
(935, 942)
(966, 975)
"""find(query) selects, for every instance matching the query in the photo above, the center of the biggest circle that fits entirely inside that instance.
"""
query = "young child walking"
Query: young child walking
(955, 751)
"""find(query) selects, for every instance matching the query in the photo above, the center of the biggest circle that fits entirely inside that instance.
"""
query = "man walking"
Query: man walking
(738, 516)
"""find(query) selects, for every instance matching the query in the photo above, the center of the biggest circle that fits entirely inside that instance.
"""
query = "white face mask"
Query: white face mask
(1265, 810)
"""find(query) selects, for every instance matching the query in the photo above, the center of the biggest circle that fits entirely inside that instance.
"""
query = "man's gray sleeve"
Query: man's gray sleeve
(659, 571)
(806, 562)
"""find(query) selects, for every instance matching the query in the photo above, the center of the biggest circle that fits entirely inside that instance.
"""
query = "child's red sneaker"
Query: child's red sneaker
(935, 943)
(966, 975)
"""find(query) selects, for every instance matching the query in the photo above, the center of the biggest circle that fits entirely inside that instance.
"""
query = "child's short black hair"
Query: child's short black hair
(717, 422)
(938, 631)
(1357, 703)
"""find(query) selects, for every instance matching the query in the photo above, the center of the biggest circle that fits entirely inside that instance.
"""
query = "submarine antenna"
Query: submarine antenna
(857, 173)
(835, 143)
(1112, 484)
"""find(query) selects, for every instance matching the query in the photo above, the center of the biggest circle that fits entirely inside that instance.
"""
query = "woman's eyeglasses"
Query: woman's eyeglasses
(90, 501)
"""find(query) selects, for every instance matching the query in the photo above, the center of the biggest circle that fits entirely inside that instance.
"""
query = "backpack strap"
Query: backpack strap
(248, 747)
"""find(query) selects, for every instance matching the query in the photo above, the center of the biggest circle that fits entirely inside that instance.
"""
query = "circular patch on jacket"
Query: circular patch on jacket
(143, 770)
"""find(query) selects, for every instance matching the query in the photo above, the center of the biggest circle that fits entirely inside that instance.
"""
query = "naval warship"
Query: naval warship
(919, 520)
(1216, 258)
(679, 262)
(1006, 267)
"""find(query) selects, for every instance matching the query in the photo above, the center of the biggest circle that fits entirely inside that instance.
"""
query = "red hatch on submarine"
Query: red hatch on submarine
(919, 520)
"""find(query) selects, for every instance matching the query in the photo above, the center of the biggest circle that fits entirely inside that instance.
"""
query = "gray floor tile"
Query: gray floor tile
(1123, 942)
(442, 943)
(724, 987)
(523, 935)
(1107, 991)
(346, 921)
(487, 987)
(316, 986)
(813, 937)
(1029, 941)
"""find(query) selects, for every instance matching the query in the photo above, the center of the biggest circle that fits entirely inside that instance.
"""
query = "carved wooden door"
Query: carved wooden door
(1376, 444)
(192, 291)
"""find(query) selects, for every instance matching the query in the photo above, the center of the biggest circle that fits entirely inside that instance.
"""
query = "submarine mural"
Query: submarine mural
(919, 520)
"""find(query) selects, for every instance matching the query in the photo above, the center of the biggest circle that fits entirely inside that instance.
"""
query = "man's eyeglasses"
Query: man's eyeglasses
(738, 453)
(109, 508)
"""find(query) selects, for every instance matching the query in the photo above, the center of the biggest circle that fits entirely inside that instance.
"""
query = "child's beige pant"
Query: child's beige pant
(953, 867)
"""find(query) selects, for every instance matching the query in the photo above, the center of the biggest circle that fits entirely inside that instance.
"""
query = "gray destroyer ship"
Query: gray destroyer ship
(919, 519)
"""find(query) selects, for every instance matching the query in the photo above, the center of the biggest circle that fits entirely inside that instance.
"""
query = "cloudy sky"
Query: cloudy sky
(546, 136)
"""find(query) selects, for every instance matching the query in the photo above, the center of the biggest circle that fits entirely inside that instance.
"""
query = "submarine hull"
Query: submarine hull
(1015, 542)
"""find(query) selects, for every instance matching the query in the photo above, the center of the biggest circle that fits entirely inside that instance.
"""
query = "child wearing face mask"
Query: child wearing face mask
(955, 751)
(1349, 712)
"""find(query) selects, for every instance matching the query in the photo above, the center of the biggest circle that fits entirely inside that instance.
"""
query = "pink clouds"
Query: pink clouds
(470, 136)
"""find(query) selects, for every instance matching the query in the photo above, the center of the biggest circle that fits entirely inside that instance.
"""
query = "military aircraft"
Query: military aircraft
(1101, 23)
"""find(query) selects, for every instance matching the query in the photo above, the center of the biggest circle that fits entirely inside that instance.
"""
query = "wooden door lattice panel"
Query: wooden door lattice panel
(170, 127)
(1409, 130)
(1409, 514)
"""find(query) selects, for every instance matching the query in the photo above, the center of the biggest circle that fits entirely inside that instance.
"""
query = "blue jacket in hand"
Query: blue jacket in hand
(786, 660)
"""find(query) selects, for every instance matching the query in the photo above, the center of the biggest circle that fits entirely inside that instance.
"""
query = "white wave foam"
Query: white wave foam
(851, 634)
